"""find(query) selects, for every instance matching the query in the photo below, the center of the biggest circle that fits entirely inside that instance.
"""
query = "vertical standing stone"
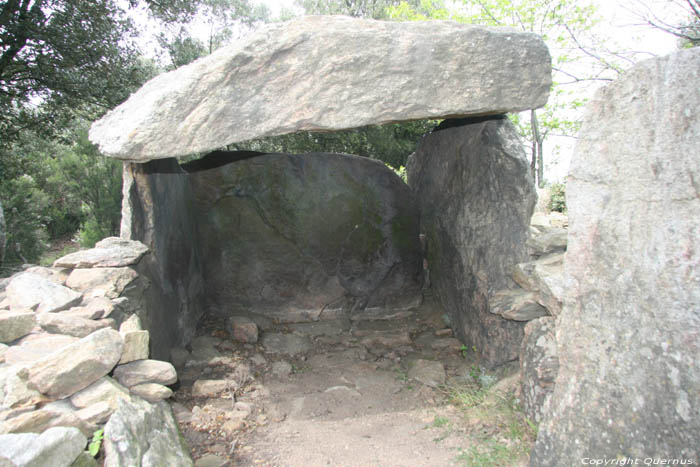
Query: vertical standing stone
(629, 332)
(476, 195)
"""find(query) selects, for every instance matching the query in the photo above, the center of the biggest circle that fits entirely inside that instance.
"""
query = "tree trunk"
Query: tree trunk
(2, 236)
(537, 152)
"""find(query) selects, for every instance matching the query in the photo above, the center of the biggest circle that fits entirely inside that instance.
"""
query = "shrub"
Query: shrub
(557, 198)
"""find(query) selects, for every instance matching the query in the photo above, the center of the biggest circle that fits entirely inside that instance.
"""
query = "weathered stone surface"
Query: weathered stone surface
(242, 329)
(32, 291)
(57, 275)
(539, 365)
(549, 241)
(145, 371)
(151, 392)
(135, 346)
(628, 334)
(135, 340)
(59, 323)
(38, 421)
(140, 433)
(212, 387)
(476, 195)
(328, 73)
(545, 278)
(516, 304)
(112, 252)
(36, 346)
(13, 390)
(158, 194)
(286, 344)
(101, 282)
(76, 365)
(15, 324)
(104, 390)
(429, 372)
(313, 232)
(56, 447)
(96, 414)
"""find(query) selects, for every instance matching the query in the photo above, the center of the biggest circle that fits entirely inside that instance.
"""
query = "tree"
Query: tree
(679, 17)
(220, 19)
(68, 55)
(376, 9)
(579, 57)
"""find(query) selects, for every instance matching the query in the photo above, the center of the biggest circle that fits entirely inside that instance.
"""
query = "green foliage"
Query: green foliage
(557, 198)
(391, 143)
(579, 57)
(376, 9)
(96, 442)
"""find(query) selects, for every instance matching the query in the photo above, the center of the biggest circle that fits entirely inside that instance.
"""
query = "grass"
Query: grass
(501, 433)
(48, 258)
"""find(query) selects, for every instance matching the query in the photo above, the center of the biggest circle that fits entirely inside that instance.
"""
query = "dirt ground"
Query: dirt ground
(386, 390)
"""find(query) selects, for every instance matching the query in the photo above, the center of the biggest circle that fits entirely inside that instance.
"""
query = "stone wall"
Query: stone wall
(476, 196)
(305, 237)
(629, 333)
(158, 211)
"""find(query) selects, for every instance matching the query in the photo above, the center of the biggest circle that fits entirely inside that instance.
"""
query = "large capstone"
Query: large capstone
(476, 195)
(328, 73)
(303, 237)
(629, 333)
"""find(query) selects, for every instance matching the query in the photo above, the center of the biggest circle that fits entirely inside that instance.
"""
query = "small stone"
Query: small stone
(212, 387)
(281, 369)
(210, 460)
(429, 372)
(132, 323)
(15, 324)
(232, 426)
(13, 389)
(103, 390)
(243, 329)
(444, 332)
(145, 371)
(58, 446)
(96, 414)
(447, 343)
(59, 323)
(516, 304)
(152, 392)
(135, 346)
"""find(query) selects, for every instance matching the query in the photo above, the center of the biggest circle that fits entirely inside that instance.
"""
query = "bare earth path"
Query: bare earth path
(387, 391)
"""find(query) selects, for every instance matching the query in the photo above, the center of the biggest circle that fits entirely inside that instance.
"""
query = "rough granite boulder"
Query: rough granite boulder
(328, 73)
(473, 183)
(56, 447)
(77, 365)
(629, 334)
(296, 237)
(32, 291)
(111, 252)
(140, 433)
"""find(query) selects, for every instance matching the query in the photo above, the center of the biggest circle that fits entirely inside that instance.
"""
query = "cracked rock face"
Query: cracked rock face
(296, 237)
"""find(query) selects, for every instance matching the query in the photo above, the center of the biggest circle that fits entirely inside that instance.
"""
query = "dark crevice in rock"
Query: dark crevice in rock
(457, 122)
(217, 159)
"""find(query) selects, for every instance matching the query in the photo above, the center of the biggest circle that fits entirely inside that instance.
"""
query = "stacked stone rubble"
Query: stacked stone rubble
(74, 354)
